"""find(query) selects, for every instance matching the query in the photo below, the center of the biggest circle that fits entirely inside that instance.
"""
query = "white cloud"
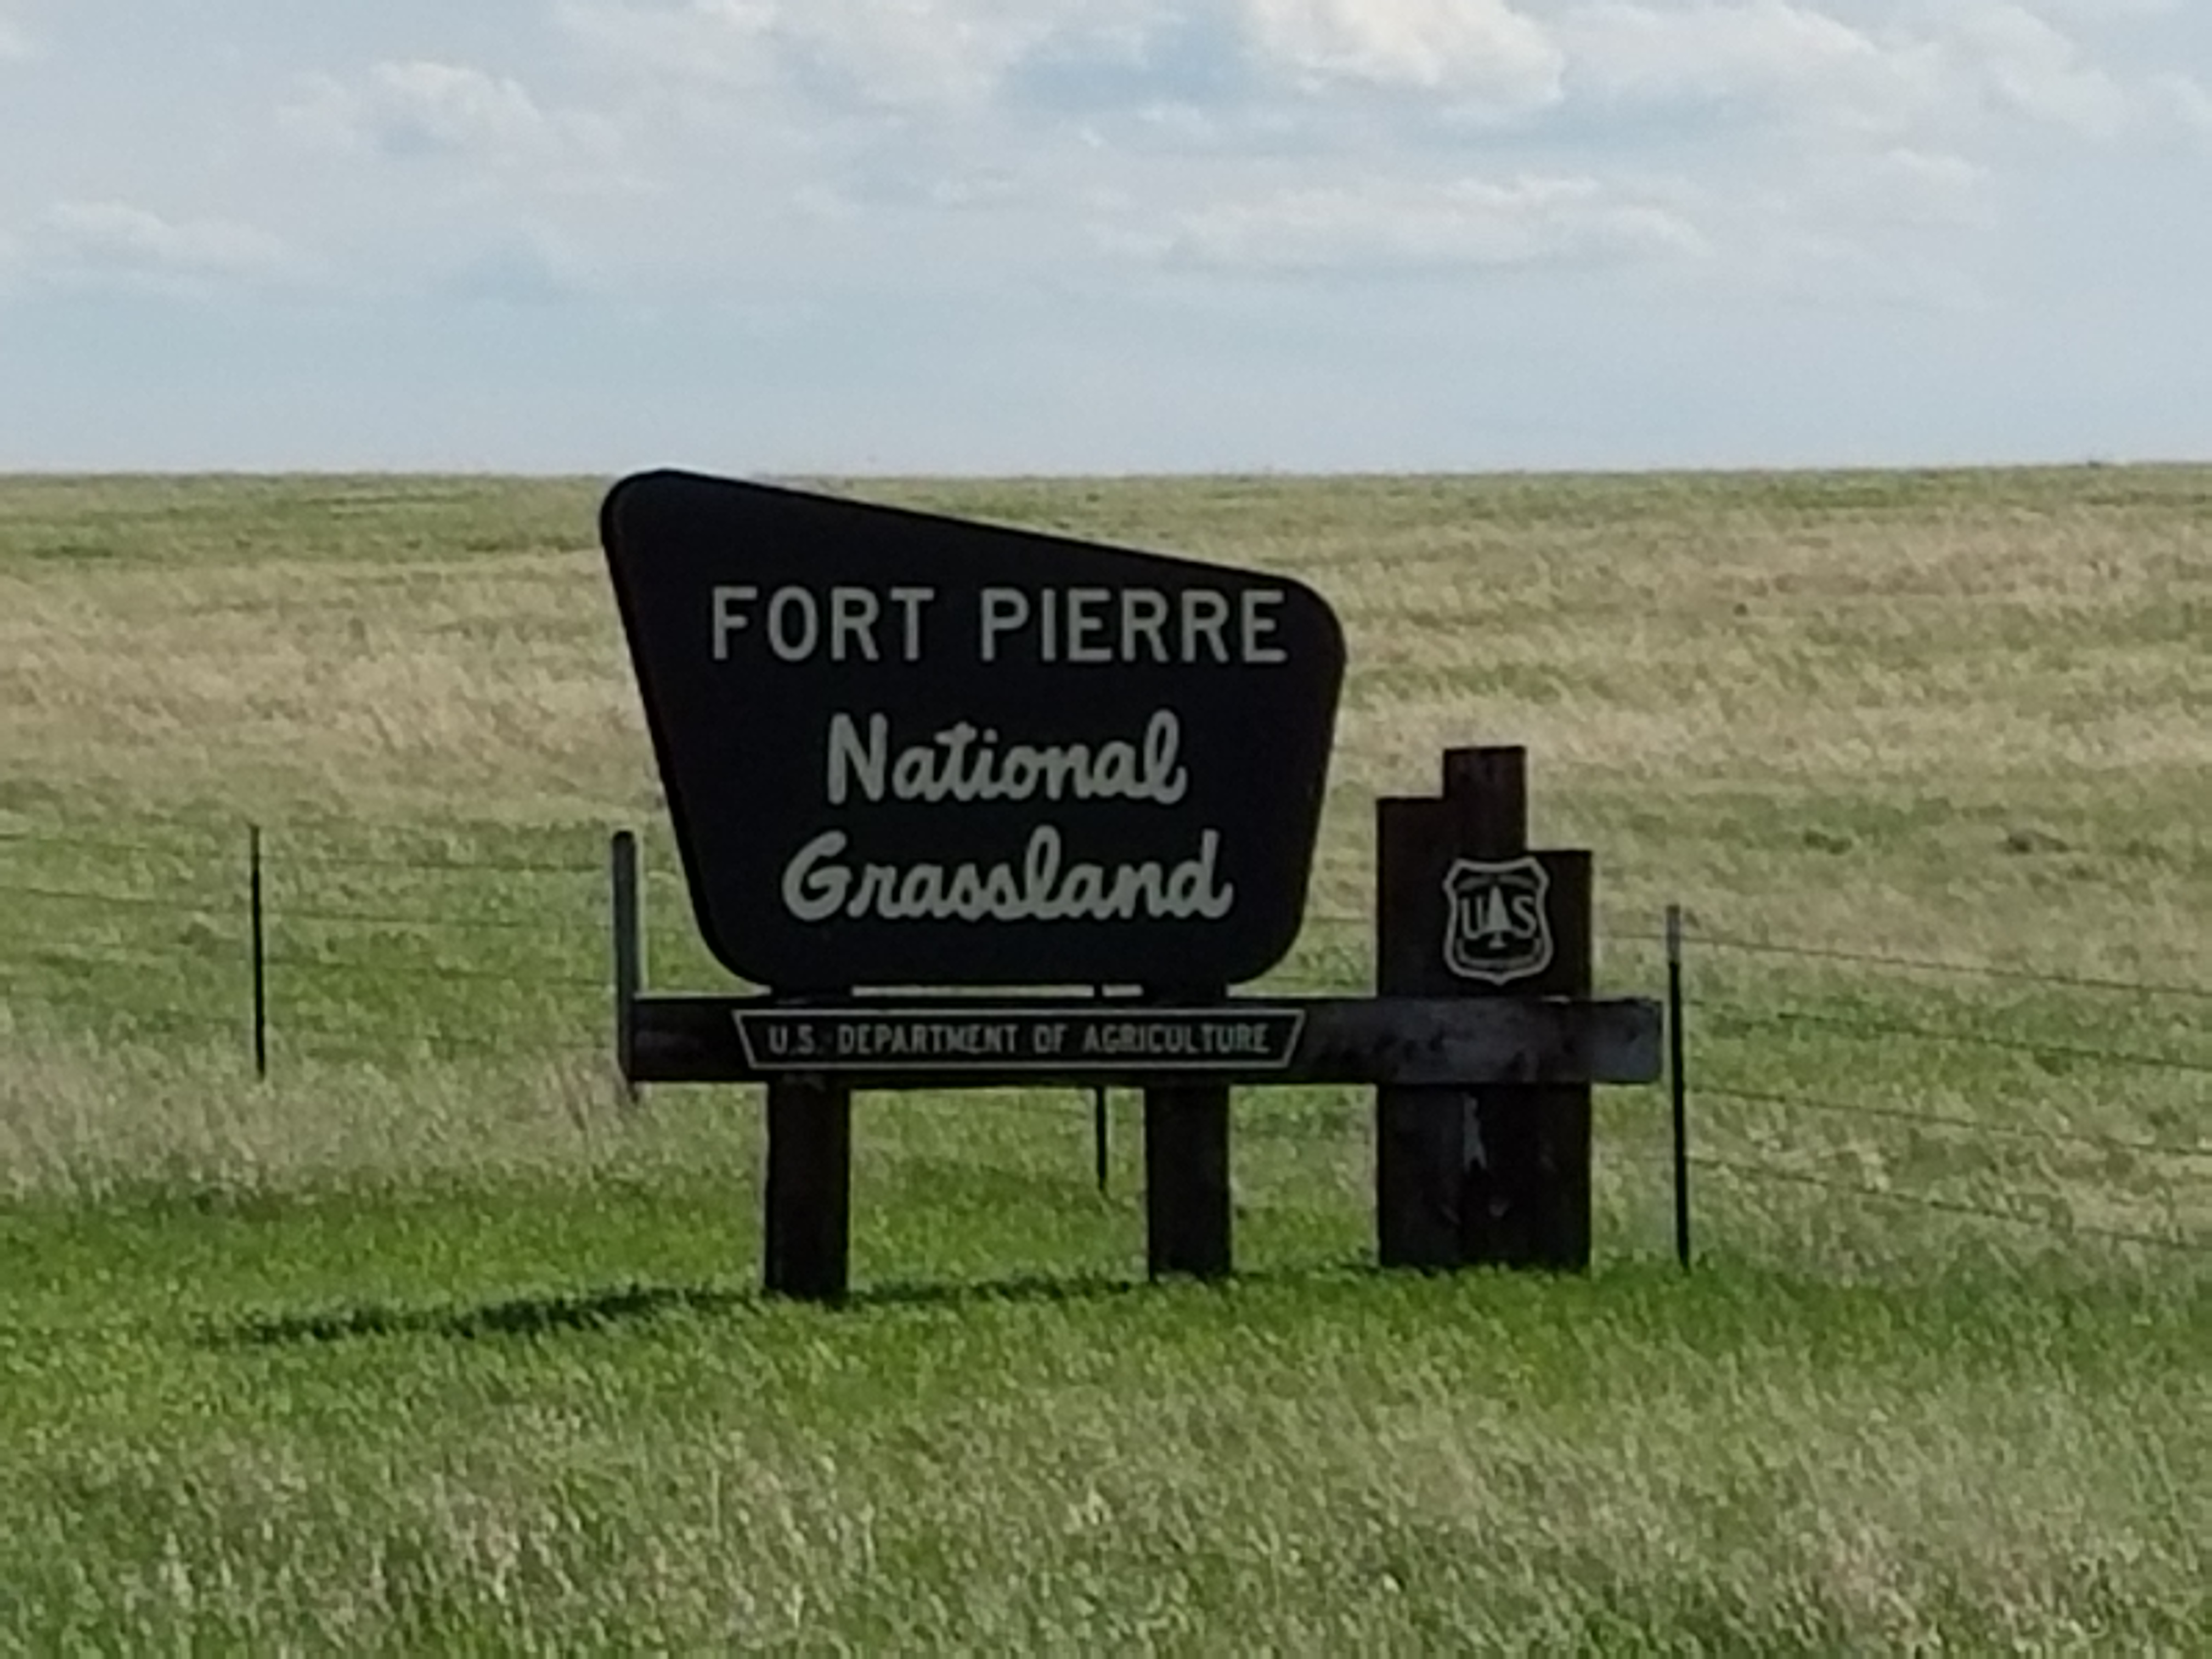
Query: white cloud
(719, 41)
(102, 242)
(2024, 64)
(1768, 54)
(2186, 102)
(2108, 11)
(1384, 225)
(1479, 50)
(520, 268)
(426, 108)
(904, 54)
(1928, 185)
(15, 44)
(1896, 71)
(919, 51)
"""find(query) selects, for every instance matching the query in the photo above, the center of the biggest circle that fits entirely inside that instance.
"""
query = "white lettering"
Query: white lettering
(1258, 627)
(852, 613)
(729, 617)
(814, 888)
(847, 754)
(1144, 616)
(1087, 623)
(1205, 613)
(1041, 886)
(787, 600)
(960, 764)
(1004, 609)
(909, 601)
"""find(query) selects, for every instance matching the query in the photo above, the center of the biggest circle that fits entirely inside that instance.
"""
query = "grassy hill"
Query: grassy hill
(433, 1341)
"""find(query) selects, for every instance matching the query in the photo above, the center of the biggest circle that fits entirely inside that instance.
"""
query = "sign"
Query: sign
(983, 1040)
(1498, 925)
(906, 750)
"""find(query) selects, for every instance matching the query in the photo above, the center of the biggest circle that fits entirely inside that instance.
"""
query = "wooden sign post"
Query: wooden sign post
(1497, 1173)
(807, 1199)
(1187, 1204)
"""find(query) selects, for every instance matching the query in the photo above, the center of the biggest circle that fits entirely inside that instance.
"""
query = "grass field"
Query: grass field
(431, 1343)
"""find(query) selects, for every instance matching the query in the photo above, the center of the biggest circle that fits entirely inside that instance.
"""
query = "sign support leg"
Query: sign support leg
(1187, 1206)
(1187, 1202)
(809, 1192)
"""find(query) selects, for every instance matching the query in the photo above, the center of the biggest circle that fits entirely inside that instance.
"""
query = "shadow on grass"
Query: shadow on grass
(590, 1310)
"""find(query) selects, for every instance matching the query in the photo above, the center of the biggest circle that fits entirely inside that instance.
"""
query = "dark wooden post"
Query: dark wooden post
(1530, 1200)
(807, 1205)
(1423, 1137)
(1187, 1199)
(1428, 1142)
(1500, 1174)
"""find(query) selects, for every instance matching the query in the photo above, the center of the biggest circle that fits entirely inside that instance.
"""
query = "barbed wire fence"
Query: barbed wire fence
(296, 946)
(1739, 1104)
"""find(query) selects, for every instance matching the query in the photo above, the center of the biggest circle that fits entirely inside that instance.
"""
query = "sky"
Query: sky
(769, 237)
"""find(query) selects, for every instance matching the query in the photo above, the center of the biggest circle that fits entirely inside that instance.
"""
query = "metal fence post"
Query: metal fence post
(260, 952)
(628, 952)
(1678, 1085)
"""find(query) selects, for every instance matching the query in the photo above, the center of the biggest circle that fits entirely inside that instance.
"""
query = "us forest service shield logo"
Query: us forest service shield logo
(1496, 928)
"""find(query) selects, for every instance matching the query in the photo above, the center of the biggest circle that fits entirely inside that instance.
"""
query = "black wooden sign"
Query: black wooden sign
(908, 749)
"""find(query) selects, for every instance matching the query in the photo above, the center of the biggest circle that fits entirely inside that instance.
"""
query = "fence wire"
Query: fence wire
(1947, 1205)
(1885, 1029)
(121, 901)
(1974, 1124)
(1917, 965)
(2181, 1170)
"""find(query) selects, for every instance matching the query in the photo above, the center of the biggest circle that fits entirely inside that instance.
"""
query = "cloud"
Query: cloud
(1928, 188)
(1766, 57)
(719, 41)
(2186, 103)
(15, 44)
(104, 240)
(952, 54)
(116, 247)
(919, 52)
(895, 53)
(517, 270)
(1387, 226)
(1478, 50)
(2023, 63)
(1895, 72)
(1890, 70)
(423, 108)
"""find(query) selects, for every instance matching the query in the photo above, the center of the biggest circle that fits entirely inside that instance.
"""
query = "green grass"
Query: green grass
(431, 1342)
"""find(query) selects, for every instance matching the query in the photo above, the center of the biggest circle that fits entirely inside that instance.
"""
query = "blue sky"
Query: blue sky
(1103, 235)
